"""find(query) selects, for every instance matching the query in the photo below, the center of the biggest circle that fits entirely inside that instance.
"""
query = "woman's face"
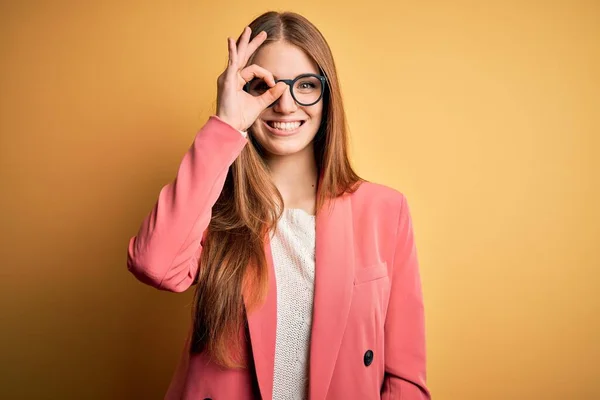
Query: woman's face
(286, 61)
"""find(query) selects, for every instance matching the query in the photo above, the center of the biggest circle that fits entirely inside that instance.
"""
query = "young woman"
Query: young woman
(306, 275)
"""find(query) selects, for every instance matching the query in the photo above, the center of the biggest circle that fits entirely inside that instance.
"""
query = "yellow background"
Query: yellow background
(485, 114)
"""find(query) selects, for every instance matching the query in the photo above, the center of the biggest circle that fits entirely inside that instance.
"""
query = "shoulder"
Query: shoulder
(379, 213)
(378, 198)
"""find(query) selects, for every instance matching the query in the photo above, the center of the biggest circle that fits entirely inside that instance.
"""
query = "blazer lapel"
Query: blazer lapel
(334, 268)
(262, 324)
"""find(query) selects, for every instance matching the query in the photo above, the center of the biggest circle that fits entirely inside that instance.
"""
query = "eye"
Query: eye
(307, 85)
(261, 85)
(257, 87)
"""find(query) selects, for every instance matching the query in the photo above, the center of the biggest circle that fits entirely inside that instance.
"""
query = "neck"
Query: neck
(295, 176)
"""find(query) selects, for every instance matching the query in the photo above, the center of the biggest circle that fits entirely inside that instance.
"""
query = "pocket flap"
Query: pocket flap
(370, 273)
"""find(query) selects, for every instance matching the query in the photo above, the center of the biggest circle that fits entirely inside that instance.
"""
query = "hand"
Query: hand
(235, 106)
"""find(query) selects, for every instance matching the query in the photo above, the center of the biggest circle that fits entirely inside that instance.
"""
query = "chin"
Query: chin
(283, 150)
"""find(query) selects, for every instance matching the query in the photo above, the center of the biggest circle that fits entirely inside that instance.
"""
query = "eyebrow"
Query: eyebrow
(303, 73)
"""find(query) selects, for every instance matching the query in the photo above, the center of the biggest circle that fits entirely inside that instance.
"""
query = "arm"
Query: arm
(405, 323)
(166, 249)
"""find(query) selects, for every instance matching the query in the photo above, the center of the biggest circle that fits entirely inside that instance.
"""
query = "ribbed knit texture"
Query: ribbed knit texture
(293, 249)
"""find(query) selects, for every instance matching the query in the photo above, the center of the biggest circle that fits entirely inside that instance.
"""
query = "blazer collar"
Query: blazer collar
(334, 266)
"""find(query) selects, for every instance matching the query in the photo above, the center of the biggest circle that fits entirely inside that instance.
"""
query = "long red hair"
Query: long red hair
(233, 265)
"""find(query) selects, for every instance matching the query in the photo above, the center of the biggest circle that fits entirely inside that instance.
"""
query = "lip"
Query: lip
(284, 120)
(282, 133)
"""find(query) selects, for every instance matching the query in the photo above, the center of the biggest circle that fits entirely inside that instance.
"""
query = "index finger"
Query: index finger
(254, 44)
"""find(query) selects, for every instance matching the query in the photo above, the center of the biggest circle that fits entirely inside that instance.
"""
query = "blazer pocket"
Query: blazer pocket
(370, 273)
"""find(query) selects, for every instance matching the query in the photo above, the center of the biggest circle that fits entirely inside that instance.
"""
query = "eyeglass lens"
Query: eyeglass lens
(305, 90)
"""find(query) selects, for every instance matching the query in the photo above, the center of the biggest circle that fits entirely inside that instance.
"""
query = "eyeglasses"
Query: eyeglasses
(306, 89)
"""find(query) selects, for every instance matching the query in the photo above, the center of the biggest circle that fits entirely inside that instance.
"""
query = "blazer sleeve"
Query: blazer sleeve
(166, 249)
(405, 323)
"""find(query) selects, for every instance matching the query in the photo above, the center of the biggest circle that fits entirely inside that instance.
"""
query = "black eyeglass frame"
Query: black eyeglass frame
(292, 82)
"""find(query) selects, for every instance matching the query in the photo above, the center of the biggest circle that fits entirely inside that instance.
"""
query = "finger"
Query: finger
(255, 71)
(232, 65)
(272, 94)
(255, 44)
(242, 44)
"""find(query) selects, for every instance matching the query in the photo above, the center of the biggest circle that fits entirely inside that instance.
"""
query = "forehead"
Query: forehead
(284, 60)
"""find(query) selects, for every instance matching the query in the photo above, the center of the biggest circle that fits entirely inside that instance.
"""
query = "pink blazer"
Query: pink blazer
(368, 336)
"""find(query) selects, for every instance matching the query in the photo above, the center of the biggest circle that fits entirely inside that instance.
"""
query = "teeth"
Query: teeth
(285, 126)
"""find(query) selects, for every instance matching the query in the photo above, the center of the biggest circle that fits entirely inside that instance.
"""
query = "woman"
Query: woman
(307, 281)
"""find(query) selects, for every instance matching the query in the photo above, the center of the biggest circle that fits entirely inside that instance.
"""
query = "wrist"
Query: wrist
(224, 120)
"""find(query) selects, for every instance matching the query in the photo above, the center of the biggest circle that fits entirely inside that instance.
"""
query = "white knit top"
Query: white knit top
(293, 249)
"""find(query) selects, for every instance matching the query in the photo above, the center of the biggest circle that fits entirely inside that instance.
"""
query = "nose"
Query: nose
(286, 103)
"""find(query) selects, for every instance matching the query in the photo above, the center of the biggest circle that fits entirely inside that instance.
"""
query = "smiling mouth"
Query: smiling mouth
(285, 125)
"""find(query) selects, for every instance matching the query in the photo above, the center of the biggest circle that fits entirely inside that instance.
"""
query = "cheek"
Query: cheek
(317, 119)
(315, 115)
(317, 110)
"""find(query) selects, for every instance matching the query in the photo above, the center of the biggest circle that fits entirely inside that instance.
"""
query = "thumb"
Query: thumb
(273, 93)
